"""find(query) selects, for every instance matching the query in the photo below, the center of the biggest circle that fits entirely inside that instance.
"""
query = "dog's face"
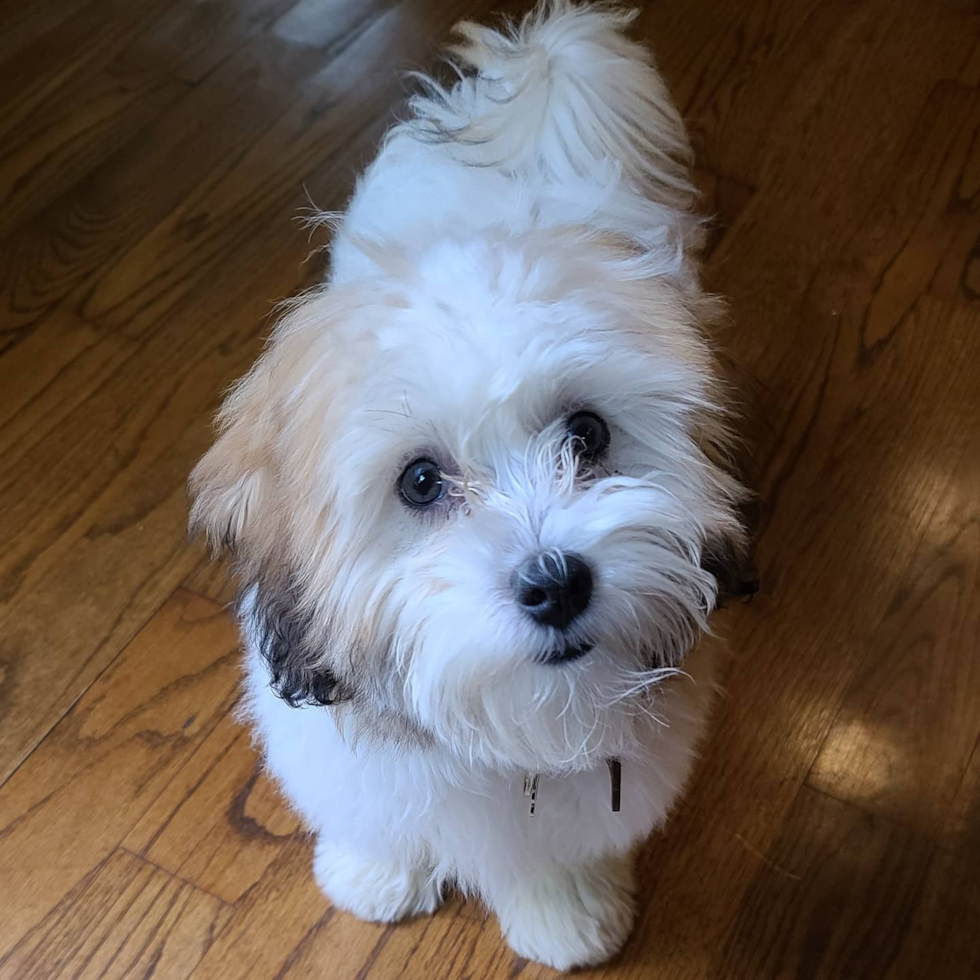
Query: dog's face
(476, 496)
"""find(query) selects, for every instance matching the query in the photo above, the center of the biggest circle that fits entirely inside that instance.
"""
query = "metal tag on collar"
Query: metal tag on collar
(531, 791)
(615, 783)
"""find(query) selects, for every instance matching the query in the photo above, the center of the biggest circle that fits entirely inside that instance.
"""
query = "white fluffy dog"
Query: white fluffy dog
(478, 493)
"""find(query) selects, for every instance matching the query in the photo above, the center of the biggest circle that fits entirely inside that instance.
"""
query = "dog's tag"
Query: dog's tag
(615, 783)
(531, 791)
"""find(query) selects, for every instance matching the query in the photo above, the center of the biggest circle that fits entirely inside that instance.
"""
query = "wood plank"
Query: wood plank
(900, 744)
(832, 899)
(921, 232)
(908, 723)
(22, 24)
(68, 45)
(64, 136)
(126, 919)
(957, 276)
(49, 374)
(98, 219)
(127, 64)
(68, 807)
(310, 153)
(221, 822)
(445, 945)
(772, 98)
(72, 102)
(753, 83)
(272, 920)
(941, 940)
(196, 38)
(212, 578)
(285, 928)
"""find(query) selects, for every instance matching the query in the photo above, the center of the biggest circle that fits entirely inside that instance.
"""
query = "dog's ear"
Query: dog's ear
(235, 489)
(230, 488)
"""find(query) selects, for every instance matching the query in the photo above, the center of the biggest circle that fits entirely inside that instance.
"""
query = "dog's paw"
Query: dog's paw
(379, 891)
(571, 917)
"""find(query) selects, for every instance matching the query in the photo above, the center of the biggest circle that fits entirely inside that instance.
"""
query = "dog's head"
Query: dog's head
(482, 498)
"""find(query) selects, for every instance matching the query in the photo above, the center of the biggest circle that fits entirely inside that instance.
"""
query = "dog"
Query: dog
(480, 495)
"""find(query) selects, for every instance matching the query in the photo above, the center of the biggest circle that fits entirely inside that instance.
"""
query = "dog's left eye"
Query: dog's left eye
(590, 434)
(421, 483)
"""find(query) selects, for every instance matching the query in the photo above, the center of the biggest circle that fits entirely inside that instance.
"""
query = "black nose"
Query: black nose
(553, 588)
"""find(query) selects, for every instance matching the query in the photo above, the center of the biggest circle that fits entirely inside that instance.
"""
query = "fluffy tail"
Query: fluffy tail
(562, 96)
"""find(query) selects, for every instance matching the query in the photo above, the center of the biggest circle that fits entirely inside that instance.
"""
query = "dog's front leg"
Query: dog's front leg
(377, 887)
(569, 916)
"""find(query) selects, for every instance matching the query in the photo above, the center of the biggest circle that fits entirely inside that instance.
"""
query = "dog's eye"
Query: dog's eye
(421, 483)
(590, 435)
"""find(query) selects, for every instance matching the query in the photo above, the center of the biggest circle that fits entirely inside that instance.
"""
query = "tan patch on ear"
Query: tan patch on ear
(257, 487)
(230, 487)
(226, 487)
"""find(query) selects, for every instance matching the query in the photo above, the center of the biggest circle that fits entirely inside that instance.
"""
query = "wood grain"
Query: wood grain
(832, 897)
(69, 806)
(153, 158)
(220, 823)
(907, 726)
(84, 104)
(126, 919)
(941, 939)
(213, 577)
(50, 374)
(276, 918)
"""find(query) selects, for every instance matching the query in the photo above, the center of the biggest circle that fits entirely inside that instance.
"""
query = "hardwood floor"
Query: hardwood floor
(153, 158)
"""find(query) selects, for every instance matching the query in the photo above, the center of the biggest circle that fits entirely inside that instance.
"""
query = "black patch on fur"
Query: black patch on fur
(283, 627)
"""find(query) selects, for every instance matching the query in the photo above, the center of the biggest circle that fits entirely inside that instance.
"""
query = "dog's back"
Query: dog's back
(561, 119)
(562, 97)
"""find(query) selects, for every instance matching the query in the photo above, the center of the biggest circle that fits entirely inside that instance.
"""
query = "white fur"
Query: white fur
(520, 247)
(394, 823)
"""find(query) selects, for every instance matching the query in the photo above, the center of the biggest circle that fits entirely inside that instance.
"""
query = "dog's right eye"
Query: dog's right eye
(421, 483)
(589, 434)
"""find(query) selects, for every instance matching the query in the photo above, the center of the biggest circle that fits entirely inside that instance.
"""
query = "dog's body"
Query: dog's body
(395, 822)
(475, 487)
